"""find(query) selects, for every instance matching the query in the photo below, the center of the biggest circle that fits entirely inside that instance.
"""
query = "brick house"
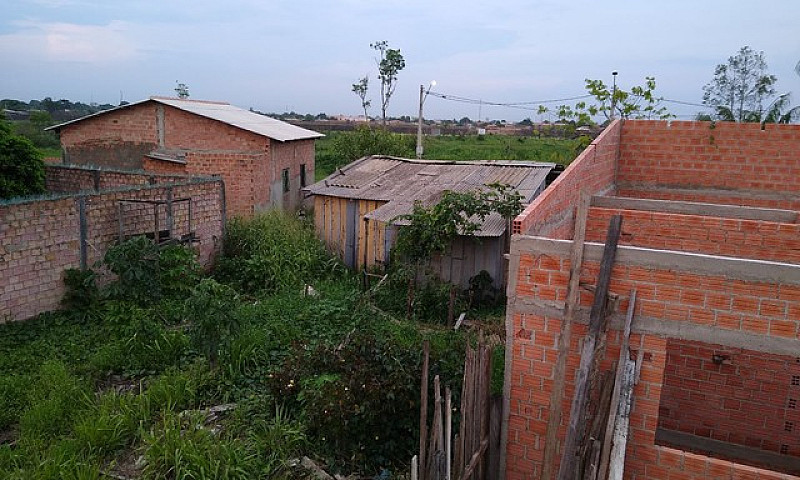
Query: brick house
(264, 162)
(711, 242)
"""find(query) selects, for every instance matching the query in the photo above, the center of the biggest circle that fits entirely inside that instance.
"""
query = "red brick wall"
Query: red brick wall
(76, 178)
(551, 213)
(184, 130)
(39, 239)
(729, 156)
(701, 234)
(114, 139)
(666, 294)
(744, 400)
(291, 155)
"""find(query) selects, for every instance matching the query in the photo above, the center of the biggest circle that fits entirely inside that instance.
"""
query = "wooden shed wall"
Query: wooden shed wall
(339, 223)
(468, 256)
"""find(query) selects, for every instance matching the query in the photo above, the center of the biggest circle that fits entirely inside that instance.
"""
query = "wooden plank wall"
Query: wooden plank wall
(330, 222)
(467, 257)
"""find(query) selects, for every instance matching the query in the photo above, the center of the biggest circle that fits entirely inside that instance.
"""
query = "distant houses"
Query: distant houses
(264, 162)
(355, 209)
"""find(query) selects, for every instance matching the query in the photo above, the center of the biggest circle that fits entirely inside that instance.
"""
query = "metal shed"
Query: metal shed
(355, 209)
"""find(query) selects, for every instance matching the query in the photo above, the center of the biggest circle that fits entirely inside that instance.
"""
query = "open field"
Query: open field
(469, 147)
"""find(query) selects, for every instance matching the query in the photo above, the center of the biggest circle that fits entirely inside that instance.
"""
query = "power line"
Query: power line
(474, 101)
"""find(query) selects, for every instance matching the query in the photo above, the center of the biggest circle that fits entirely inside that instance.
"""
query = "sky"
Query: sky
(304, 55)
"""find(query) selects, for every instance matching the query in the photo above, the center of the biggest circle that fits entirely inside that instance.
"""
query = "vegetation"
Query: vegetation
(390, 63)
(338, 149)
(133, 368)
(21, 166)
(740, 87)
(639, 102)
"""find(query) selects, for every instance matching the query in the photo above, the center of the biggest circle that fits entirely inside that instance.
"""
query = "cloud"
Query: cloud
(70, 42)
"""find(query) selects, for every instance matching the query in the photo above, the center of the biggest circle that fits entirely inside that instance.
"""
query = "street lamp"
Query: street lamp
(423, 94)
(614, 95)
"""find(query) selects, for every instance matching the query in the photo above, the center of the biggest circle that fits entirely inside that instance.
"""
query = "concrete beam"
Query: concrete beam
(728, 267)
(713, 192)
(667, 328)
(693, 208)
(728, 451)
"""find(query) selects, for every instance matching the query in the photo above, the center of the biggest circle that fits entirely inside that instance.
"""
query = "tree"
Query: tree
(21, 166)
(640, 103)
(360, 89)
(740, 87)
(182, 90)
(389, 65)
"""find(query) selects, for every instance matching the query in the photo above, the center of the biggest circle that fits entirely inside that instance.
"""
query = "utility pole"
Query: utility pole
(614, 96)
(423, 94)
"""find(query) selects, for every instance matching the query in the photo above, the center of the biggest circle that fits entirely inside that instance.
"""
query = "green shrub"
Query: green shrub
(211, 310)
(81, 295)
(21, 166)
(363, 141)
(146, 272)
(270, 252)
(358, 398)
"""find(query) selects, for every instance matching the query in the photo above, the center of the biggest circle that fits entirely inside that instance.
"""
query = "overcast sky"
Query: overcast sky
(276, 55)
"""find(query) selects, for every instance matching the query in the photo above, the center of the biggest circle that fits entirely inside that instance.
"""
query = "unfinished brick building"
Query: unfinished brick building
(710, 240)
(264, 162)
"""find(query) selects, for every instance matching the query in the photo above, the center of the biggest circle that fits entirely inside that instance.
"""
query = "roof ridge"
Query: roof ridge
(212, 102)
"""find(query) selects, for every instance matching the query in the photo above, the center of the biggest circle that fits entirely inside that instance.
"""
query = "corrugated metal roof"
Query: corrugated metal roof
(241, 118)
(226, 113)
(400, 182)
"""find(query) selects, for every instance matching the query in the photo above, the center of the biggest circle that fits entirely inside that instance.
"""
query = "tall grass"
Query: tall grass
(271, 252)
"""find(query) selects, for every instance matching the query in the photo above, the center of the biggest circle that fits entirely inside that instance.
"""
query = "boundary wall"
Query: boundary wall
(41, 237)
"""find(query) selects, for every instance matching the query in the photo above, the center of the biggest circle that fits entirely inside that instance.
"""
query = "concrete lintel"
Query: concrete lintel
(712, 192)
(673, 329)
(729, 267)
(694, 208)
(728, 451)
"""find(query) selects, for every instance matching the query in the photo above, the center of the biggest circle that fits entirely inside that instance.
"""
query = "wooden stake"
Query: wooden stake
(617, 462)
(596, 322)
(423, 409)
(448, 432)
(612, 410)
(573, 295)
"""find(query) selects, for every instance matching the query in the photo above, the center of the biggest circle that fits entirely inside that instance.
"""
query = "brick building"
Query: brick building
(264, 162)
(711, 242)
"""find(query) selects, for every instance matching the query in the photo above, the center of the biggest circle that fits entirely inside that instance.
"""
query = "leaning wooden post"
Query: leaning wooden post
(423, 409)
(596, 321)
(571, 308)
(612, 413)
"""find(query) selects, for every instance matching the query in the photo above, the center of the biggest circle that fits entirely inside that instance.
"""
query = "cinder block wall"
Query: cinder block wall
(41, 238)
(681, 295)
(551, 213)
(755, 239)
